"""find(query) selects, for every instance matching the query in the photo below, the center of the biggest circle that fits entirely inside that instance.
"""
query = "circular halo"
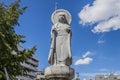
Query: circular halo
(58, 12)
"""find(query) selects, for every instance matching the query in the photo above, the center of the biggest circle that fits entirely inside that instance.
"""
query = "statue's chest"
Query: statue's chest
(61, 30)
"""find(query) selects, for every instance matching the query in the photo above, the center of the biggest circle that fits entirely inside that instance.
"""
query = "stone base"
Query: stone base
(59, 79)
(56, 72)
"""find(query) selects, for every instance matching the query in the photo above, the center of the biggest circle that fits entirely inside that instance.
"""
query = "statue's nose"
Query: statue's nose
(62, 17)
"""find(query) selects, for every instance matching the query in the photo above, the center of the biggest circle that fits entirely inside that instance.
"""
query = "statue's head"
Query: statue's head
(62, 16)
(62, 19)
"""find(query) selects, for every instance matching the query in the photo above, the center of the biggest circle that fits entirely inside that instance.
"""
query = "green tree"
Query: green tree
(77, 76)
(77, 79)
(10, 55)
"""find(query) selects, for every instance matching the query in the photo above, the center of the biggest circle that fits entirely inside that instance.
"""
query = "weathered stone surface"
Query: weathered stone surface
(55, 71)
(60, 52)
(60, 57)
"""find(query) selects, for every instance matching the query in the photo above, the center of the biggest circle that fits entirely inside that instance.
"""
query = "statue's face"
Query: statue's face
(62, 19)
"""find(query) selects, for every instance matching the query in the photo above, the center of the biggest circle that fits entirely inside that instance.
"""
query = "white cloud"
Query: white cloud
(100, 41)
(104, 13)
(104, 70)
(85, 59)
(86, 54)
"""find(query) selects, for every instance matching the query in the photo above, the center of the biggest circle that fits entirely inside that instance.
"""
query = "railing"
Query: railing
(32, 74)
(24, 78)
(29, 66)
(35, 58)
(32, 62)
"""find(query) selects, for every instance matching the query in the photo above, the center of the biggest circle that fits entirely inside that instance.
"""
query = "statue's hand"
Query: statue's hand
(68, 30)
(54, 30)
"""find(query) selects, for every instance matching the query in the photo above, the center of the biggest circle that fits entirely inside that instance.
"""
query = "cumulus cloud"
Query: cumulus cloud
(104, 13)
(87, 54)
(85, 59)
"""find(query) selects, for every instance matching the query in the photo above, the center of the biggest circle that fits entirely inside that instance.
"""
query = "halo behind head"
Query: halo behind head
(58, 12)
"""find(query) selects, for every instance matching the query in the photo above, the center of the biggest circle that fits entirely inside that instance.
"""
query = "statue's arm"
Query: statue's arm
(69, 44)
(52, 47)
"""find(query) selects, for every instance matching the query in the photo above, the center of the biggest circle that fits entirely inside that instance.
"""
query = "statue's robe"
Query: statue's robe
(60, 52)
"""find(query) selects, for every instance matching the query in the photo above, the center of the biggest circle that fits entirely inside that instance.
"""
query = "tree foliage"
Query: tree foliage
(77, 79)
(10, 41)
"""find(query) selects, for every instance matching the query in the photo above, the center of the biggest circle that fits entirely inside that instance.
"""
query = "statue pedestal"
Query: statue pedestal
(57, 72)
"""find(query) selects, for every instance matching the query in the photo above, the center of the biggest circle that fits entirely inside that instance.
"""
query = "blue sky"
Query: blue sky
(95, 33)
